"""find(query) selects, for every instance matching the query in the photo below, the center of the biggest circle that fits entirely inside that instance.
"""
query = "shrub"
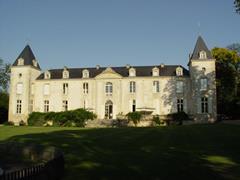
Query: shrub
(135, 117)
(156, 120)
(76, 117)
(179, 117)
(8, 123)
(22, 123)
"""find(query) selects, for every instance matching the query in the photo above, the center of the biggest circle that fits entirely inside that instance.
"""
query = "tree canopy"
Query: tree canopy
(228, 80)
(237, 5)
(4, 75)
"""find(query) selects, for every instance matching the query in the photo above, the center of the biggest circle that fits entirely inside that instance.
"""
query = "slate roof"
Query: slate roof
(200, 46)
(28, 57)
(141, 71)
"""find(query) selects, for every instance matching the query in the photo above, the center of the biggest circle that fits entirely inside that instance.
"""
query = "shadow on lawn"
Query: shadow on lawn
(144, 153)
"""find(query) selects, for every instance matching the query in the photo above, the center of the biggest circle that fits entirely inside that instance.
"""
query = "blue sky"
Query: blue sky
(84, 33)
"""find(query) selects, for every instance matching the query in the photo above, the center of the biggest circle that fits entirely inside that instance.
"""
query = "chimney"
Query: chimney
(97, 66)
(162, 65)
(127, 66)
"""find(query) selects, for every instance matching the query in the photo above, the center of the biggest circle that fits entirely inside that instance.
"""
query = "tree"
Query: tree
(237, 5)
(234, 47)
(3, 107)
(228, 80)
(4, 75)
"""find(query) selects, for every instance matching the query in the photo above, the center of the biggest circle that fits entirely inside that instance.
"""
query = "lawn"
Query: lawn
(199, 152)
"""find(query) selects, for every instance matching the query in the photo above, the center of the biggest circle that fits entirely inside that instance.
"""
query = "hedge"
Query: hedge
(76, 118)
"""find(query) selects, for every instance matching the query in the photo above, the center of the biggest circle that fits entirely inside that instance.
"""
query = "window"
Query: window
(65, 88)
(134, 106)
(203, 84)
(155, 71)
(19, 88)
(85, 88)
(132, 72)
(20, 62)
(179, 71)
(109, 88)
(204, 104)
(179, 87)
(31, 106)
(19, 106)
(46, 90)
(202, 55)
(85, 73)
(47, 75)
(34, 62)
(65, 105)
(65, 73)
(180, 105)
(46, 106)
(156, 87)
(132, 87)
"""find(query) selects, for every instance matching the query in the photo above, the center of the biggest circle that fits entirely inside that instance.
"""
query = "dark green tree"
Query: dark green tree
(4, 75)
(237, 5)
(228, 80)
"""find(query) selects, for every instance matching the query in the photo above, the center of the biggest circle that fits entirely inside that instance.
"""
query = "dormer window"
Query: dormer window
(132, 72)
(155, 71)
(65, 74)
(179, 71)
(47, 75)
(202, 55)
(35, 64)
(85, 73)
(20, 62)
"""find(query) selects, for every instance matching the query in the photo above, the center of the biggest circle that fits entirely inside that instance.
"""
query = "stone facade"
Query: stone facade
(109, 91)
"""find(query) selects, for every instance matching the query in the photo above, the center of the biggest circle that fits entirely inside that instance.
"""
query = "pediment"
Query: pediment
(109, 73)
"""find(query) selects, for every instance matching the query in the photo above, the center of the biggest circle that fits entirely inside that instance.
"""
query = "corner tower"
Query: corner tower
(24, 71)
(203, 83)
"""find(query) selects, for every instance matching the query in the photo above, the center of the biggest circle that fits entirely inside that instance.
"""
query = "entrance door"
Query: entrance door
(109, 110)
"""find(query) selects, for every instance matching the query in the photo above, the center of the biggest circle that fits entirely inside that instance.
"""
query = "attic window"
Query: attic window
(155, 71)
(20, 62)
(65, 74)
(179, 71)
(47, 75)
(85, 73)
(34, 63)
(132, 72)
(202, 55)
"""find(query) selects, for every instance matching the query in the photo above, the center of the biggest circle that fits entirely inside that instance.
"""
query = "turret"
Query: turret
(203, 82)
(24, 71)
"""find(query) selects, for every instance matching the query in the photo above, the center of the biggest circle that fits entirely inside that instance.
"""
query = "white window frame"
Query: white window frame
(19, 106)
(156, 86)
(132, 72)
(65, 88)
(179, 87)
(85, 87)
(65, 105)
(202, 55)
(46, 89)
(180, 107)
(46, 105)
(109, 88)
(132, 87)
(203, 84)
(19, 88)
(85, 73)
(204, 105)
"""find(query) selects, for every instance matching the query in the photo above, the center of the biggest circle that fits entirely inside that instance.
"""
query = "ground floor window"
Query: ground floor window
(46, 106)
(180, 105)
(65, 105)
(134, 106)
(19, 106)
(204, 104)
(109, 110)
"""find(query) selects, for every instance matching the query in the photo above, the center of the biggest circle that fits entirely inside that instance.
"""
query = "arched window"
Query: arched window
(179, 71)
(155, 71)
(132, 72)
(85, 73)
(132, 87)
(108, 88)
(47, 75)
(20, 62)
(65, 74)
(202, 55)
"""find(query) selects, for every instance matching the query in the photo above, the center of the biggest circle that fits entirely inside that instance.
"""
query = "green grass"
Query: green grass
(199, 152)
